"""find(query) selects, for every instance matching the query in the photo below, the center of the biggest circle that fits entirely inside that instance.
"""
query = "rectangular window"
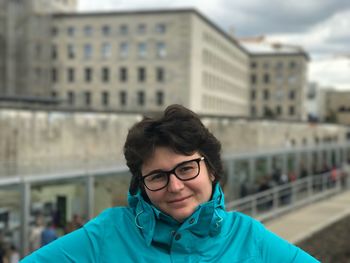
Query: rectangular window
(71, 75)
(70, 97)
(88, 74)
(253, 111)
(123, 49)
(105, 98)
(53, 75)
(141, 98)
(87, 31)
(253, 64)
(105, 74)
(160, 28)
(123, 74)
(106, 30)
(291, 110)
(141, 29)
(106, 50)
(124, 30)
(266, 78)
(278, 110)
(71, 31)
(123, 98)
(253, 95)
(87, 98)
(161, 49)
(87, 51)
(253, 79)
(54, 31)
(70, 51)
(54, 52)
(142, 50)
(291, 94)
(266, 94)
(141, 74)
(160, 74)
(160, 98)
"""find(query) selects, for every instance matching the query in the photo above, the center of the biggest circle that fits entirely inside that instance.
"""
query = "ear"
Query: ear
(212, 177)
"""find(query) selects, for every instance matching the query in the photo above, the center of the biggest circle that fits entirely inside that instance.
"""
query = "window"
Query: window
(253, 95)
(266, 65)
(161, 50)
(266, 78)
(71, 51)
(160, 74)
(123, 74)
(160, 98)
(291, 110)
(71, 74)
(141, 74)
(123, 98)
(292, 65)
(141, 28)
(105, 74)
(106, 50)
(37, 51)
(266, 94)
(160, 28)
(54, 94)
(106, 30)
(54, 31)
(53, 75)
(87, 31)
(88, 74)
(142, 49)
(87, 98)
(105, 98)
(253, 79)
(253, 111)
(292, 94)
(87, 51)
(71, 31)
(124, 30)
(253, 65)
(70, 97)
(123, 49)
(141, 98)
(278, 110)
(279, 65)
(54, 52)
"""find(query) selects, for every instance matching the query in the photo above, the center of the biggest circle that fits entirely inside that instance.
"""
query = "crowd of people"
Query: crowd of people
(8, 251)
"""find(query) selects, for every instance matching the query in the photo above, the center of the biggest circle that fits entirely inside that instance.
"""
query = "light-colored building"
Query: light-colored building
(338, 106)
(145, 60)
(278, 79)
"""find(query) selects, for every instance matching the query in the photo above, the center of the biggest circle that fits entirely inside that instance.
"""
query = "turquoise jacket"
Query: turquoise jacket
(141, 233)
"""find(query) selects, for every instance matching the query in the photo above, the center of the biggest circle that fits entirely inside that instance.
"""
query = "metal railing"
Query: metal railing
(283, 198)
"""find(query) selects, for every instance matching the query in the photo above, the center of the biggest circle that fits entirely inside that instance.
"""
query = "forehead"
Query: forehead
(165, 158)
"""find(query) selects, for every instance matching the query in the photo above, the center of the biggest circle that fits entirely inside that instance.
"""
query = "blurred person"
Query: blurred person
(35, 233)
(176, 209)
(13, 255)
(48, 234)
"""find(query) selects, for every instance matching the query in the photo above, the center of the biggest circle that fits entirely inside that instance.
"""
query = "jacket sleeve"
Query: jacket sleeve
(274, 249)
(73, 247)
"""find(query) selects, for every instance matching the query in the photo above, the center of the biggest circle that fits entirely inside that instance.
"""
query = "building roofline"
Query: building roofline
(275, 54)
(157, 11)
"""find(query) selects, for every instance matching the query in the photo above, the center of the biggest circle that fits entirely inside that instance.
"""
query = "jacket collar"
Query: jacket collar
(206, 220)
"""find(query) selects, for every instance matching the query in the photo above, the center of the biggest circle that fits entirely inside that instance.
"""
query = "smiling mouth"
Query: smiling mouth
(176, 201)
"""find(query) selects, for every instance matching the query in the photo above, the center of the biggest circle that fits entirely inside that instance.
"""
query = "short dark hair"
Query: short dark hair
(178, 128)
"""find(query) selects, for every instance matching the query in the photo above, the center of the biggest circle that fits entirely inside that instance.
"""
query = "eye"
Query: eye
(156, 177)
(186, 168)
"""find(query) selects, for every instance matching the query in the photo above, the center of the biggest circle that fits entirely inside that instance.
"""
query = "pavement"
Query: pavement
(303, 222)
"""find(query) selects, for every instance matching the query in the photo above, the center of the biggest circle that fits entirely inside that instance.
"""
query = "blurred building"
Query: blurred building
(24, 48)
(338, 106)
(119, 61)
(145, 60)
(315, 102)
(278, 79)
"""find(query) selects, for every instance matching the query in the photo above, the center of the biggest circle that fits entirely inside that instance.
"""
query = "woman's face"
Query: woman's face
(178, 199)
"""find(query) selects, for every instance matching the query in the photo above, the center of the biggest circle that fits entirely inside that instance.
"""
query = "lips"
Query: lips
(178, 200)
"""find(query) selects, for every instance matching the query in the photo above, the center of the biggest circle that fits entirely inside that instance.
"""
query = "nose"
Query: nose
(175, 184)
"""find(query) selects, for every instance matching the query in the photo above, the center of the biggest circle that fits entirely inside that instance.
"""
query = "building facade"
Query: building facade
(338, 106)
(145, 60)
(278, 80)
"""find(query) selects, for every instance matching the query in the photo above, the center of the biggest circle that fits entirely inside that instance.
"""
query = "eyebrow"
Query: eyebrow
(165, 171)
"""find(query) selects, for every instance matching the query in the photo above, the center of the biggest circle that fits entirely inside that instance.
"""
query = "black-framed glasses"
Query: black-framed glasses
(185, 171)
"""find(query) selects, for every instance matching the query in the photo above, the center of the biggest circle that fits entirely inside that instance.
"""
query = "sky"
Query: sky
(321, 27)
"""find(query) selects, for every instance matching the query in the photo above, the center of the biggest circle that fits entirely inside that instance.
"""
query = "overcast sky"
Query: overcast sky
(322, 27)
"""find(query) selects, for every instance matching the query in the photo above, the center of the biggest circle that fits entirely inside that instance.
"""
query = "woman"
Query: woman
(176, 209)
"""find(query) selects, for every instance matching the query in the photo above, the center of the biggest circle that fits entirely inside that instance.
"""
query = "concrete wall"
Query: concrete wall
(33, 142)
